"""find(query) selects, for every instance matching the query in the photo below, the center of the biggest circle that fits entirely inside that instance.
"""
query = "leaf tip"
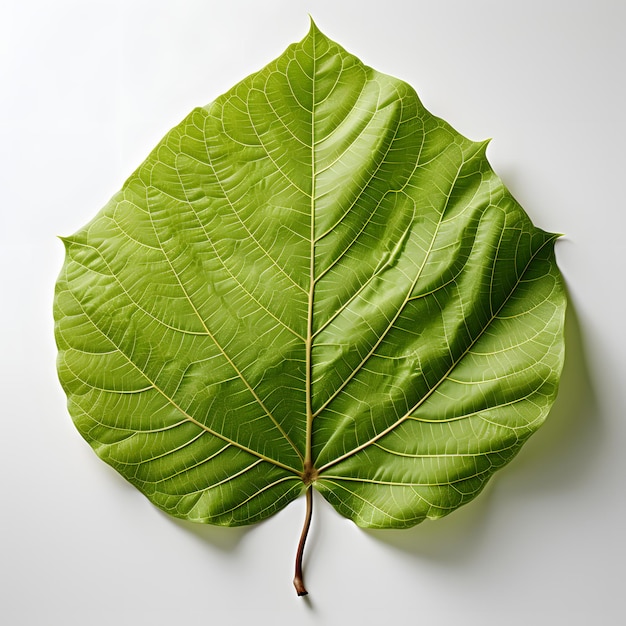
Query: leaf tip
(313, 29)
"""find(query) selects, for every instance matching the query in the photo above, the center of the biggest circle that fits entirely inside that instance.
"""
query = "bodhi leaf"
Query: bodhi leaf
(311, 281)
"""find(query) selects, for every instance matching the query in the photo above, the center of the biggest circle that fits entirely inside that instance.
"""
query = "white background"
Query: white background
(87, 89)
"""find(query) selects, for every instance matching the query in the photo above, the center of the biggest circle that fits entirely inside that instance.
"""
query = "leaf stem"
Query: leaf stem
(298, 583)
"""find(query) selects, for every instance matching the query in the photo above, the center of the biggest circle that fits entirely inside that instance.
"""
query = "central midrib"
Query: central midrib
(308, 457)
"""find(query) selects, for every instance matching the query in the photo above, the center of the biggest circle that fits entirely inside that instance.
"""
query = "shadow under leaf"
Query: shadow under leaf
(224, 538)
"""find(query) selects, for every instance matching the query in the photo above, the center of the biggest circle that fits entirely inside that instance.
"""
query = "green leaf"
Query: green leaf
(310, 281)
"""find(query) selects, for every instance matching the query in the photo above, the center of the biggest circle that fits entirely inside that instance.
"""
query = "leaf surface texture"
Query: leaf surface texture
(310, 280)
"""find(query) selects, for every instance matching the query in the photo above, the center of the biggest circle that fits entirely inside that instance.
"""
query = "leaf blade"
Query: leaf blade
(311, 279)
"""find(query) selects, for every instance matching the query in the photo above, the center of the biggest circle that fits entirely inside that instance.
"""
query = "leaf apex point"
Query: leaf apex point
(313, 29)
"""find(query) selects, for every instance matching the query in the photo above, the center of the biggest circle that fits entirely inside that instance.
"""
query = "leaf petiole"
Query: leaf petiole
(298, 583)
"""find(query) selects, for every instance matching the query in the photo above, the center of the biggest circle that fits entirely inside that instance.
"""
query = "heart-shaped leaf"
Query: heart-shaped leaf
(312, 281)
